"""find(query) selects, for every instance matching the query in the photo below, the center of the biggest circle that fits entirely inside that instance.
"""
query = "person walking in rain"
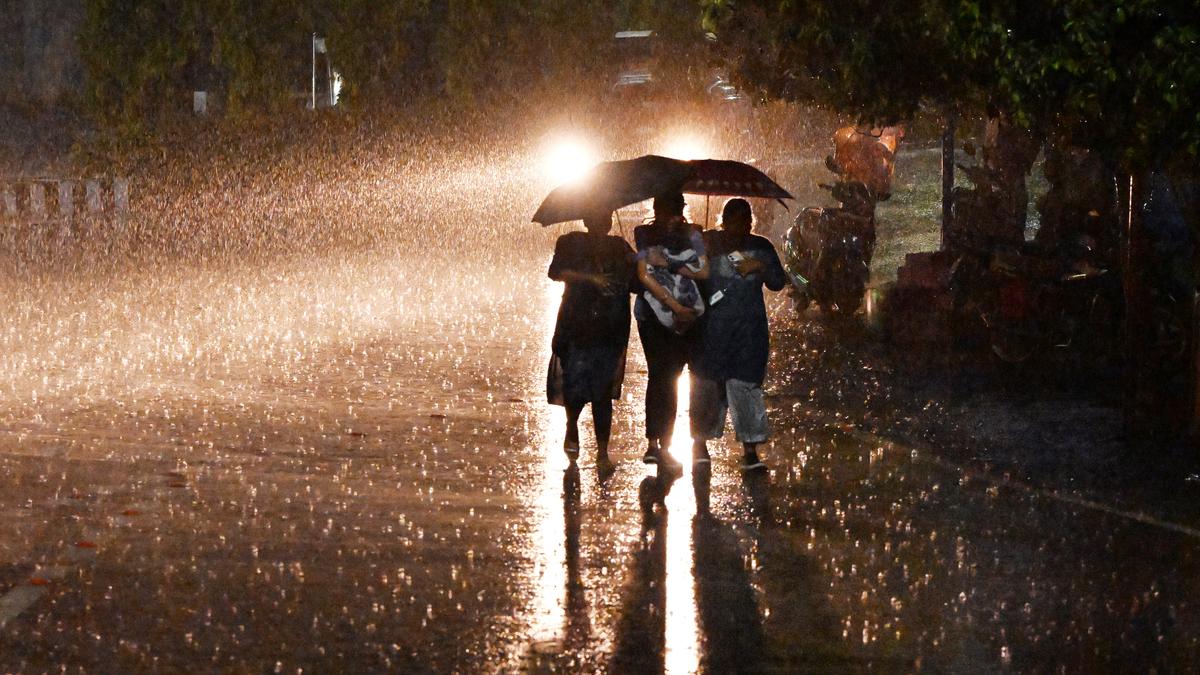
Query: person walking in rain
(668, 345)
(734, 345)
(587, 364)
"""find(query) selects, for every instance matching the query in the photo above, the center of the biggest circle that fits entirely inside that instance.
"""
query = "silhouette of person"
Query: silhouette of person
(640, 638)
(734, 345)
(667, 350)
(592, 331)
(726, 605)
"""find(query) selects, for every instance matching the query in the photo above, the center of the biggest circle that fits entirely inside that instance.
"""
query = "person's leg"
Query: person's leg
(750, 459)
(707, 409)
(661, 398)
(673, 363)
(602, 412)
(571, 443)
(660, 390)
(678, 357)
(749, 412)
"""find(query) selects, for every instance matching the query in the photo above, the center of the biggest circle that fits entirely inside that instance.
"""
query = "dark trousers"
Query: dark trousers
(666, 355)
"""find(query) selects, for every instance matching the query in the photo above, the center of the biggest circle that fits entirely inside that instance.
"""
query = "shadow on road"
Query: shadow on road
(729, 617)
(640, 639)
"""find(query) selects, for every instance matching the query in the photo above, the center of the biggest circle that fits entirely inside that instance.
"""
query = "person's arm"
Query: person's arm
(630, 270)
(656, 289)
(749, 265)
(639, 238)
(774, 277)
(696, 240)
(575, 277)
(699, 275)
(562, 260)
(654, 257)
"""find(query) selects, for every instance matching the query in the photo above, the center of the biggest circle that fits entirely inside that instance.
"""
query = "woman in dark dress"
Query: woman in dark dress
(735, 342)
(592, 332)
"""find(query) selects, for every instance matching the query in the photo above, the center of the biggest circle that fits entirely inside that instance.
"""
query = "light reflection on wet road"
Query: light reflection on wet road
(681, 631)
(663, 579)
(365, 480)
(551, 574)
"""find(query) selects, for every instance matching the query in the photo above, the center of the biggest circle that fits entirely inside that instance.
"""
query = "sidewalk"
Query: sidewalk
(1049, 432)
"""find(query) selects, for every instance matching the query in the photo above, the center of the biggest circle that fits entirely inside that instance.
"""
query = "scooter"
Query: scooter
(828, 251)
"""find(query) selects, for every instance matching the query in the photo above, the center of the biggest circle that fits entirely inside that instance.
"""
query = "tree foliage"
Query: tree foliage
(144, 57)
(1118, 76)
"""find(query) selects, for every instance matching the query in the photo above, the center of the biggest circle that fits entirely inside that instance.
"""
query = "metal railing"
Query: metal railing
(30, 201)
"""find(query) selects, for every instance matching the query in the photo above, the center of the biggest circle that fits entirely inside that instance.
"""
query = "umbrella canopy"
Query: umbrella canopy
(727, 177)
(612, 185)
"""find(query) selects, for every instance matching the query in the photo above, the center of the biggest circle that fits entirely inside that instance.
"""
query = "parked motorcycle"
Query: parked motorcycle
(1037, 305)
(828, 250)
(1026, 299)
(978, 230)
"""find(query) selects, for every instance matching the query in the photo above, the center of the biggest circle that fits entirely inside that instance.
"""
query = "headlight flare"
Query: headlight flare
(686, 146)
(568, 160)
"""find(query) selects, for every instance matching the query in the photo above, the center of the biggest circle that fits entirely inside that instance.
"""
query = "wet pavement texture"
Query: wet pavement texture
(345, 463)
(366, 486)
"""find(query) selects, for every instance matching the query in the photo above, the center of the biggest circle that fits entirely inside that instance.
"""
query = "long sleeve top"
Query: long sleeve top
(735, 340)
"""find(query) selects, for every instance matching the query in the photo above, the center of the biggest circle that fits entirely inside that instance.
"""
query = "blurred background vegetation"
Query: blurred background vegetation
(143, 59)
(1114, 76)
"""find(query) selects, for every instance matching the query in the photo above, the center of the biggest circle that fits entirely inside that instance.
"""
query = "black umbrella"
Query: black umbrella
(612, 185)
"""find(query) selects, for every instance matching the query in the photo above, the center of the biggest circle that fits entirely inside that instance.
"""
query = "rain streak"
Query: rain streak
(288, 415)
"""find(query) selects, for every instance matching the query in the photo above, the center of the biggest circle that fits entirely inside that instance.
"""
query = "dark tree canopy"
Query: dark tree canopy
(143, 59)
(1117, 76)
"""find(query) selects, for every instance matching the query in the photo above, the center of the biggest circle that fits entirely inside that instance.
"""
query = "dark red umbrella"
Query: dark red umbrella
(734, 179)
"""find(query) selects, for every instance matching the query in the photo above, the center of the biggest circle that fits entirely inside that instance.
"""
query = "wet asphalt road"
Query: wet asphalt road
(316, 468)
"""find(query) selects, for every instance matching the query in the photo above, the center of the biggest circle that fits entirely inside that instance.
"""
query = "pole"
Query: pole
(1194, 325)
(947, 176)
(706, 198)
(314, 71)
(1194, 328)
(1138, 315)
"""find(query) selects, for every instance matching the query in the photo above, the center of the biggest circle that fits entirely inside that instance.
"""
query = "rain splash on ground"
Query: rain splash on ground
(326, 448)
